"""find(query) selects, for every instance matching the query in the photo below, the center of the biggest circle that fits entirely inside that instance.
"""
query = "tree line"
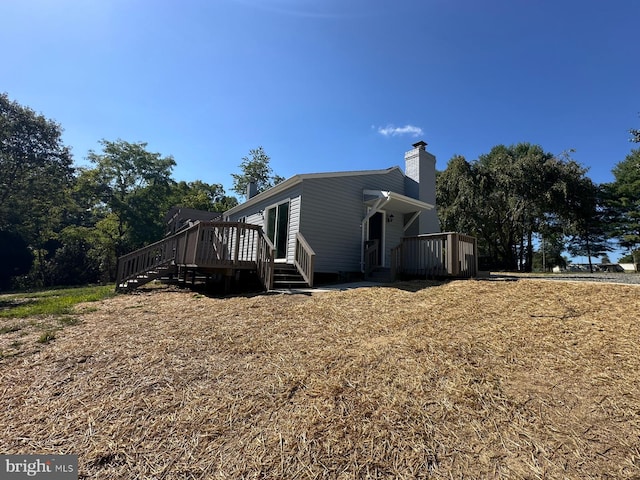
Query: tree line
(527, 206)
(64, 225)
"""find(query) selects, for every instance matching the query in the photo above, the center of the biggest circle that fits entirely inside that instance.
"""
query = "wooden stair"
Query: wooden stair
(163, 272)
(286, 275)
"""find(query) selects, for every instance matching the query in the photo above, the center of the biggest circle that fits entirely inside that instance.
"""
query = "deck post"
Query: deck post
(475, 254)
(453, 254)
(236, 249)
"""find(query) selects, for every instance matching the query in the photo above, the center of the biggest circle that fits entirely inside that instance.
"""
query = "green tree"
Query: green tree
(623, 201)
(605, 259)
(588, 234)
(515, 182)
(628, 258)
(75, 260)
(549, 253)
(635, 135)
(255, 168)
(35, 176)
(456, 197)
(126, 191)
(505, 198)
(34, 164)
(15, 257)
(201, 196)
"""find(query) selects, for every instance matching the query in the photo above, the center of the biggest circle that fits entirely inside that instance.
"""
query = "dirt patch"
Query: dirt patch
(526, 379)
(26, 336)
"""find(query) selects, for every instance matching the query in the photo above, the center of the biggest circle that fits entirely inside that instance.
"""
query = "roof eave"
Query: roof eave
(398, 197)
(291, 181)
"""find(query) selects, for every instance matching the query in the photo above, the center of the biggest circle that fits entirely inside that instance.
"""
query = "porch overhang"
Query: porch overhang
(383, 200)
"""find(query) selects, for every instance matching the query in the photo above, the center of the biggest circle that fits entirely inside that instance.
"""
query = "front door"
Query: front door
(277, 220)
(376, 225)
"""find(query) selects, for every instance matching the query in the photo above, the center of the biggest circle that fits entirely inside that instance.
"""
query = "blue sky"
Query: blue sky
(328, 85)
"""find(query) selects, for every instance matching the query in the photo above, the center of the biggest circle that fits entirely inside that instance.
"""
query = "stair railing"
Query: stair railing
(265, 256)
(396, 262)
(152, 256)
(371, 255)
(304, 259)
(205, 244)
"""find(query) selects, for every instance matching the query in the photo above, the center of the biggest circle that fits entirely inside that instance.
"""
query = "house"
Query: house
(179, 218)
(339, 213)
(628, 267)
(312, 227)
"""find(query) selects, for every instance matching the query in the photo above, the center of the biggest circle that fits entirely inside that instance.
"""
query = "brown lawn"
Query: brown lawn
(469, 379)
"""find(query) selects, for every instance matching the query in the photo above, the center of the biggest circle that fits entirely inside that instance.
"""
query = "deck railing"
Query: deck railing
(219, 244)
(146, 259)
(466, 255)
(304, 259)
(436, 255)
(205, 245)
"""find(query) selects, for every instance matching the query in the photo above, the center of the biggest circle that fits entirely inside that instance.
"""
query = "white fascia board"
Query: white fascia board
(291, 181)
(397, 202)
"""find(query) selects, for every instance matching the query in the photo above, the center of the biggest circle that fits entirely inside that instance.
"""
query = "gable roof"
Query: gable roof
(296, 179)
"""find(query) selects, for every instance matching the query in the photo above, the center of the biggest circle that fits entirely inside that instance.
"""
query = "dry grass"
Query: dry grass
(527, 379)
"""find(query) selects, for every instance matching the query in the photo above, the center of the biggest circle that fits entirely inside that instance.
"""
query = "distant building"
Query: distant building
(179, 218)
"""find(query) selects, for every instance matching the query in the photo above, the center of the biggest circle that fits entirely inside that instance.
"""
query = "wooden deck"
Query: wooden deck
(436, 255)
(225, 249)
(210, 248)
(205, 248)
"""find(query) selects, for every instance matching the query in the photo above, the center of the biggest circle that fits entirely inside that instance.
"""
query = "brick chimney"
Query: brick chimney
(420, 183)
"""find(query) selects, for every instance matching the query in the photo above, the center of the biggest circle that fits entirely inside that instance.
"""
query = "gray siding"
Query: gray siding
(394, 235)
(332, 213)
(328, 211)
(255, 214)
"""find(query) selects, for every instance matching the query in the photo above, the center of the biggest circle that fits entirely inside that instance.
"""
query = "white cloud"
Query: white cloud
(392, 131)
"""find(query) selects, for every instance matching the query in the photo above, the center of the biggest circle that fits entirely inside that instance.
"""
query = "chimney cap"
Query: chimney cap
(420, 145)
